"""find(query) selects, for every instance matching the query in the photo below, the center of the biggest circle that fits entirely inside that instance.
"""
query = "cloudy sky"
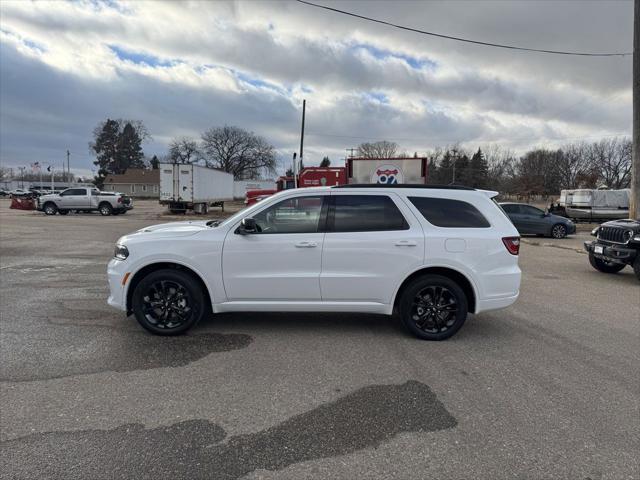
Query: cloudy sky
(184, 67)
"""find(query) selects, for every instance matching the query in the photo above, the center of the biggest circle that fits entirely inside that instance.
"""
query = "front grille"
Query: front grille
(614, 234)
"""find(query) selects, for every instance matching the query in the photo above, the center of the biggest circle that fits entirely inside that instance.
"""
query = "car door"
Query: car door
(281, 262)
(515, 215)
(72, 198)
(534, 220)
(372, 242)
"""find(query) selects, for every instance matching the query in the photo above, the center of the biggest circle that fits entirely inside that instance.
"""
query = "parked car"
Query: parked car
(19, 192)
(530, 220)
(81, 199)
(617, 245)
(4, 193)
(432, 254)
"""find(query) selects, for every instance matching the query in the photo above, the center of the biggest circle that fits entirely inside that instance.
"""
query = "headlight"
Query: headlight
(636, 238)
(594, 232)
(121, 252)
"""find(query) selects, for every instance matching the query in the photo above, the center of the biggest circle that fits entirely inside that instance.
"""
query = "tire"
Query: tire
(605, 267)
(154, 294)
(105, 209)
(422, 296)
(636, 266)
(558, 231)
(63, 212)
(50, 208)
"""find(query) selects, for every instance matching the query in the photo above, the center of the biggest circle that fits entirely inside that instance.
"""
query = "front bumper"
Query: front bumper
(571, 228)
(611, 253)
(116, 271)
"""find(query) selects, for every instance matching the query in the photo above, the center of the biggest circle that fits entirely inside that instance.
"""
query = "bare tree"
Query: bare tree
(381, 149)
(184, 150)
(612, 158)
(572, 165)
(239, 152)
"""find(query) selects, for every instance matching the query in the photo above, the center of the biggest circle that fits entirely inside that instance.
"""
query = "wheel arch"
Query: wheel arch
(460, 278)
(152, 267)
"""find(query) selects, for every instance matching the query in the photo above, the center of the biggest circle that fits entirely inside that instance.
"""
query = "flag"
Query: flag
(35, 167)
(49, 168)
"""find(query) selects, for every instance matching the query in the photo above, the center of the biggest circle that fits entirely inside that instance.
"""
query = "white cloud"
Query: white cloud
(183, 67)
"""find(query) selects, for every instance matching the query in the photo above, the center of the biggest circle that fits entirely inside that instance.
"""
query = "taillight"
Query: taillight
(512, 244)
(119, 199)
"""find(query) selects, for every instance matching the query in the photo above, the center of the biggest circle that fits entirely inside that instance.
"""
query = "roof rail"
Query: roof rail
(403, 185)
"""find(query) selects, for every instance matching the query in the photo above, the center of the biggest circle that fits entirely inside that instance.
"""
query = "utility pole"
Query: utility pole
(304, 107)
(68, 170)
(634, 204)
(351, 150)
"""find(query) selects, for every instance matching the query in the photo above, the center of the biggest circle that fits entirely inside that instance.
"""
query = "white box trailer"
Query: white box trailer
(185, 187)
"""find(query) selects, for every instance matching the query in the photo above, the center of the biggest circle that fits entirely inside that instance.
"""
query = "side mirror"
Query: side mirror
(248, 225)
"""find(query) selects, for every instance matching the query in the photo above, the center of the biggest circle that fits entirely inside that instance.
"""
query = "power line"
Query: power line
(466, 40)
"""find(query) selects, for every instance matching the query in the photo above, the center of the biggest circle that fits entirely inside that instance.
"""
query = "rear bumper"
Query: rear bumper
(496, 303)
(612, 253)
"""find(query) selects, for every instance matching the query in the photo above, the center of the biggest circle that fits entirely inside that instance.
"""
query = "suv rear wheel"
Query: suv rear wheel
(604, 266)
(168, 302)
(433, 307)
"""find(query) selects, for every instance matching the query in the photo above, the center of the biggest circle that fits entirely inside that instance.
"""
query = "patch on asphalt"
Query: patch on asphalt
(125, 352)
(194, 449)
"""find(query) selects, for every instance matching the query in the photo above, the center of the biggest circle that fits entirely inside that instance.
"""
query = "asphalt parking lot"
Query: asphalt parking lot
(548, 388)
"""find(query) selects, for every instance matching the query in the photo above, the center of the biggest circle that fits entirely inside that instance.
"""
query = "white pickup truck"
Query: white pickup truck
(84, 200)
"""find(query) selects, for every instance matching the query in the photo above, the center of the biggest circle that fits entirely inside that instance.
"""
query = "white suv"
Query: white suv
(431, 254)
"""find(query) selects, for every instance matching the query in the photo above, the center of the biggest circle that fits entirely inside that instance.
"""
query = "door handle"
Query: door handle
(306, 244)
(406, 243)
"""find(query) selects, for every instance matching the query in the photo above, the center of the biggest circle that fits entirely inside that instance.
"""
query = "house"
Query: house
(136, 182)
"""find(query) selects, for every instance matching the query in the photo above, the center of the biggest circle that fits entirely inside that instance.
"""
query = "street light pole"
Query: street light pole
(634, 204)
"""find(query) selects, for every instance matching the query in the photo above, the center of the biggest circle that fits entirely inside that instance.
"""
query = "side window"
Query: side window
(293, 215)
(444, 212)
(527, 210)
(95, 191)
(511, 208)
(74, 191)
(365, 213)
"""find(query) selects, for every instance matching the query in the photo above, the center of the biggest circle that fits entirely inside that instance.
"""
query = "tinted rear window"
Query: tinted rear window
(366, 213)
(444, 212)
(511, 208)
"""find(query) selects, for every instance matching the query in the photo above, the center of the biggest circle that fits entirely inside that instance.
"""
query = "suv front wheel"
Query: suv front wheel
(433, 307)
(168, 302)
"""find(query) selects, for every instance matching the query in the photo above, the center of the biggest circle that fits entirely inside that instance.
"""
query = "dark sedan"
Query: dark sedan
(530, 220)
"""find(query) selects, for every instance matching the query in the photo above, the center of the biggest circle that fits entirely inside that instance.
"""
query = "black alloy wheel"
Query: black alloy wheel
(168, 302)
(433, 307)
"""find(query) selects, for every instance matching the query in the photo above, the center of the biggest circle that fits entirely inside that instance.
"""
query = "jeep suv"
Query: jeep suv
(431, 254)
(617, 245)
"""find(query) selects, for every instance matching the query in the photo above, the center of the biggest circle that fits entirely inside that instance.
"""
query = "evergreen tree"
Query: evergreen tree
(445, 169)
(130, 154)
(325, 162)
(463, 174)
(479, 170)
(117, 145)
(155, 163)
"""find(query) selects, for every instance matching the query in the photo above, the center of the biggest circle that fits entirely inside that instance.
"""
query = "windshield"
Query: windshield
(236, 216)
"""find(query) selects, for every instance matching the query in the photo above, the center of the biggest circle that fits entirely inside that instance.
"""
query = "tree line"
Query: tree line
(117, 146)
(540, 171)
